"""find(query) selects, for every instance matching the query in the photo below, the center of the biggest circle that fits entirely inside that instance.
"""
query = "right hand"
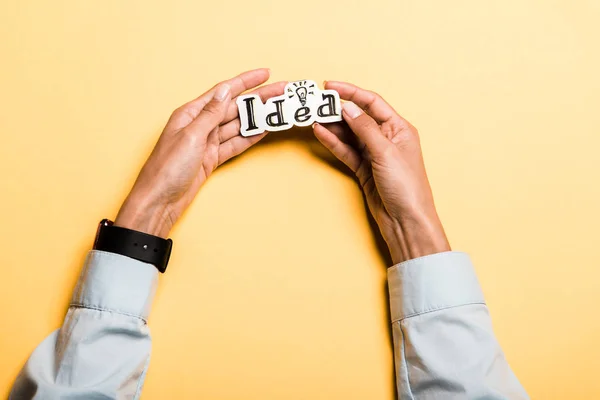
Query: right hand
(384, 152)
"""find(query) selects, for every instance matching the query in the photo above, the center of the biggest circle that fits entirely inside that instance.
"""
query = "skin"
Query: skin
(384, 151)
(376, 143)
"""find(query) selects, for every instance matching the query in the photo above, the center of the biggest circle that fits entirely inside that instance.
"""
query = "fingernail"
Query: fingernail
(324, 83)
(222, 92)
(315, 124)
(351, 109)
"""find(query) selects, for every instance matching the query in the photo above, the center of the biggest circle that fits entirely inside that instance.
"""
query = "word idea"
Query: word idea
(301, 104)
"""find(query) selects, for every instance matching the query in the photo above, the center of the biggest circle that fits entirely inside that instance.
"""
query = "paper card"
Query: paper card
(301, 104)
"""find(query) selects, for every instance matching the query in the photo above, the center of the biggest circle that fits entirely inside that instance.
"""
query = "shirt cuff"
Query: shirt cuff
(431, 283)
(115, 283)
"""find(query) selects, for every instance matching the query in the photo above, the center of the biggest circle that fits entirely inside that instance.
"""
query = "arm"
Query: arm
(444, 346)
(102, 350)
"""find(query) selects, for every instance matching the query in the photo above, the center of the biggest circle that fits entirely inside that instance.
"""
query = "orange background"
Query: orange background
(276, 288)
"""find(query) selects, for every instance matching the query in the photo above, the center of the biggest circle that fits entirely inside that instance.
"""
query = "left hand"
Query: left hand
(199, 136)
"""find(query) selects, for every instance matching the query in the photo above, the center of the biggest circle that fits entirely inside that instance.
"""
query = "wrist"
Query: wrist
(417, 235)
(145, 216)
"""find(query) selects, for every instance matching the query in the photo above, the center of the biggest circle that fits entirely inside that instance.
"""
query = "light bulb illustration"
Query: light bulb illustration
(301, 91)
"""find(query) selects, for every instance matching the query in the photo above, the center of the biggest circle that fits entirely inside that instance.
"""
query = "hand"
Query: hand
(199, 136)
(384, 152)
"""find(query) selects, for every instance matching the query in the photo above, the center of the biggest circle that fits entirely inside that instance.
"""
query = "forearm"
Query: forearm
(145, 211)
(444, 345)
(103, 346)
(415, 234)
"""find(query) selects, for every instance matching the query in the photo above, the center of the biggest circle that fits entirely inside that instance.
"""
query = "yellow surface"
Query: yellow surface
(276, 289)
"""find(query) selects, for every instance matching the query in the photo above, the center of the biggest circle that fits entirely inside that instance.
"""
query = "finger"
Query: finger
(342, 151)
(265, 92)
(365, 127)
(340, 129)
(212, 114)
(248, 80)
(239, 84)
(371, 102)
(185, 114)
(231, 127)
(230, 130)
(237, 145)
(345, 134)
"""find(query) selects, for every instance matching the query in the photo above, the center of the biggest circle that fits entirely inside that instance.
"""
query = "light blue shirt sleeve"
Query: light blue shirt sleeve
(444, 345)
(102, 349)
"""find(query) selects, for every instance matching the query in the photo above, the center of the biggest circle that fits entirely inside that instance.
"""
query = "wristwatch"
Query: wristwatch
(137, 245)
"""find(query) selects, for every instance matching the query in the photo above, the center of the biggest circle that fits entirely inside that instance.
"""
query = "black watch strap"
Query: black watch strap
(138, 245)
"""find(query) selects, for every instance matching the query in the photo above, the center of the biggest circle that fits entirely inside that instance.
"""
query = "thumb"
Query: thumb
(213, 113)
(365, 128)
